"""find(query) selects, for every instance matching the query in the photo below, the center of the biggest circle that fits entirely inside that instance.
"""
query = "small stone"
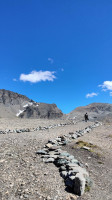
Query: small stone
(58, 139)
(45, 156)
(48, 145)
(25, 196)
(62, 168)
(75, 161)
(70, 165)
(86, 148)
(74, 136)
(86, 164)
(71, 157)
(53, 148)
(72, 177)
(65, 154)
(53, 156)
(41, 152)
(49, 160)
(61, 162)
(64, 174)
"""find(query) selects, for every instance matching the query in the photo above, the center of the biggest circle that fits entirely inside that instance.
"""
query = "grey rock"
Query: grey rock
(53, 156)
(61, 162)
(73, 172)
(62, 168)
(45, 156)
(64, 174)
(71, 165)
(72, 177)
(69, 183)
(86, 148)
(49, 145)
(71, 157)
(58, 139)
(49, 160)
(41, 152)
(65, 154)
(79, 184)
(74, 136)
(65, 142)
(53, 148)
(75, 161)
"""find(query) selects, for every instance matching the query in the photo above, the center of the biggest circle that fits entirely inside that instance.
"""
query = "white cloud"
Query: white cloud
(14, 79)
(35, 76)
(91, 94)
(107, 85)
(111, 94)
(51, 60)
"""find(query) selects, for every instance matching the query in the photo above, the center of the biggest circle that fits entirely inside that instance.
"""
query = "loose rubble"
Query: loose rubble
(75, 176)
(39, 128)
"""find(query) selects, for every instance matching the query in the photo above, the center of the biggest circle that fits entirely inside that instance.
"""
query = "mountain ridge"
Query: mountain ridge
(16, 105)
(95, 110)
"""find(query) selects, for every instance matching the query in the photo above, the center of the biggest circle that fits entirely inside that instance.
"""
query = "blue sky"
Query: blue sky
(57, 51)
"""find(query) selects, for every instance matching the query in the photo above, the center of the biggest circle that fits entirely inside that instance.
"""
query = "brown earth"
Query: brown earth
(25, 176)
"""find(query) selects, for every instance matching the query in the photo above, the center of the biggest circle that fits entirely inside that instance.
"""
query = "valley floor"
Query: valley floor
(25, 176)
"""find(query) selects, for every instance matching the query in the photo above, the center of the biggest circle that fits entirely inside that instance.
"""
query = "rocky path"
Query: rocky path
(97, 160)
(23, 174)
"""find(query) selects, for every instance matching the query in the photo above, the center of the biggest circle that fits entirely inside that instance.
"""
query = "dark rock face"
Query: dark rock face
(96, 107)
(42, 110)
(11, 98)
(16, 105)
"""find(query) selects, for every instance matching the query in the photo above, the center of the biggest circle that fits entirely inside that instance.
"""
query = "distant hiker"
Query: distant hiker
(86, 117)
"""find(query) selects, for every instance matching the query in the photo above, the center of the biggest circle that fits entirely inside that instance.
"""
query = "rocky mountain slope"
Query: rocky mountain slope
(41, 110)
(99, 111)
(16, 105)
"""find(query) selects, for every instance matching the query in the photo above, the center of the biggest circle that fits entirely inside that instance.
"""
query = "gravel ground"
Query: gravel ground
(25, 176)
(6, 123)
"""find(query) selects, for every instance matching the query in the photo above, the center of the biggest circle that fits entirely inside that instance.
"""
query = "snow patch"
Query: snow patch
(20, 111)
(28, 104)
(25, 105)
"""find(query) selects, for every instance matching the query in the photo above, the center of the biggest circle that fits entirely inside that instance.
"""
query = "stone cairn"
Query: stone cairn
(39, 128)
(75, 176)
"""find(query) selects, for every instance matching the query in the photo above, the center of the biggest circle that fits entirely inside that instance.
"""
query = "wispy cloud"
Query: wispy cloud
(51, 60)
(107, 85)
(37, 76)
(91, 94)
(14, 79)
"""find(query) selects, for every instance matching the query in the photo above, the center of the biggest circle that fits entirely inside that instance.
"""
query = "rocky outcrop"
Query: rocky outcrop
(16, 105)
(9, 98)
(11, 103)
(42, 110)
